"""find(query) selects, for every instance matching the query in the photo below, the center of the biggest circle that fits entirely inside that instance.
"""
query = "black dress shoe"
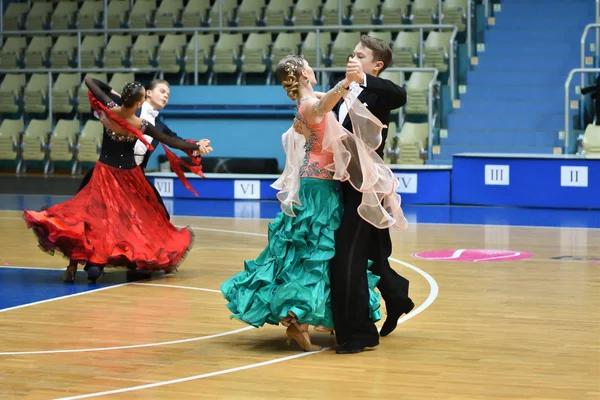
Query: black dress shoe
(93, 272)
(354, 346)
(394, 312)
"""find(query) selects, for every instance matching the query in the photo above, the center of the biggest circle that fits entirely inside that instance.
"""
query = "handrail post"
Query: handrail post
(105, 22)
(597, 31)
(486, 11)
(318, 56)
(582, 49)
(430, 114)
(195, 58)
(469, 42)
(567, 85)
(220, 13)
(451, 62)
(79, 52)
(318, 39)
(340, 12)
(1, 21)
(582, 46)
(401, 114)
(421, 46)
(50, 111)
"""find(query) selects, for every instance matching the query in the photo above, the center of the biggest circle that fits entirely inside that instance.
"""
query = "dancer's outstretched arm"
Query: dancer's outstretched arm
(202, 146)
(99, 89)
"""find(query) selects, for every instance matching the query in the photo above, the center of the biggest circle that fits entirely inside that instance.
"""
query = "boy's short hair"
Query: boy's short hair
(381, 50)
(156, 82)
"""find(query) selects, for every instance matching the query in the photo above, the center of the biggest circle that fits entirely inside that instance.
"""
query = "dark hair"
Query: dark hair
(132, 93)
(156, 82)
(288, 72)
(381, 50)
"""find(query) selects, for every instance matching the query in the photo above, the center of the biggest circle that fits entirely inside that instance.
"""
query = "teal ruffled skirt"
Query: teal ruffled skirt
(292, 272)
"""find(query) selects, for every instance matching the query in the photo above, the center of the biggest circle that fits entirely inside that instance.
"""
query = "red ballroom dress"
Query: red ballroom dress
(116, 220)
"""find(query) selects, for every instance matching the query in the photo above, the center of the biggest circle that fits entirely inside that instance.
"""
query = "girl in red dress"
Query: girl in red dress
(116, 219)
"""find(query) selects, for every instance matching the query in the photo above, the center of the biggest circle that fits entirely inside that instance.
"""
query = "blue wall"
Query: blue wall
(233, 138)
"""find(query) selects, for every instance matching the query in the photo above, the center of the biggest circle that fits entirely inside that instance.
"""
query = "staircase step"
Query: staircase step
(494, 89)
(546, 3)
(518, 78)
(533, 35)
(503, 138)
(532, 50)
(448, 151)
(506, 122)
(528, 106)
(516, 20)
(526, 62)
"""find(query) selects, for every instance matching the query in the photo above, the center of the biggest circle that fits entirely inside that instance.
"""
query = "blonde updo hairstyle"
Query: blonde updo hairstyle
(288, 72)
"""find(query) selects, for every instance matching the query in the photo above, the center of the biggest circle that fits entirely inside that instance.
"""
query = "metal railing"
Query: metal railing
(567, 87)
(317, 29)
(431, 117)
(469, 36)
(50, 71)
(486, 11)
(584, 35)
(470, 4)
(596, 27)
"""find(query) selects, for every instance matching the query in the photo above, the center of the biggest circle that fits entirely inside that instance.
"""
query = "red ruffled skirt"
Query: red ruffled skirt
(115, 220)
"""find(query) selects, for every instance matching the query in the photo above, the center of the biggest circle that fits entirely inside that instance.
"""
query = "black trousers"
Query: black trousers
(357, 242)
(88, 176)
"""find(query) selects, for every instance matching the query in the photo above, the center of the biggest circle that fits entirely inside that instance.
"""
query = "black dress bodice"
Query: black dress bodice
(117, 150)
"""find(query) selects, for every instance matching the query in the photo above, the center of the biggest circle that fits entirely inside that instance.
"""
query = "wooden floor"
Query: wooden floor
(526, 329)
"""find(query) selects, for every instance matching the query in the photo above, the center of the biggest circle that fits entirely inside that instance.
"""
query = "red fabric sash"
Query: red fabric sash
(174, 160)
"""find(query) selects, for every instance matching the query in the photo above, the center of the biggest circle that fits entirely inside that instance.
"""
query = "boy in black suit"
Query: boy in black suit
(357, 241)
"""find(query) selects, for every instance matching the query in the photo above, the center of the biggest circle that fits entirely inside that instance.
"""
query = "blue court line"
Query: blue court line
(20, 286)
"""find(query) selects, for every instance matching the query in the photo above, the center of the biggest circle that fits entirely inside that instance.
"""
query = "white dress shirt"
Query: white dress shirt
(140, 149)
(357, 90)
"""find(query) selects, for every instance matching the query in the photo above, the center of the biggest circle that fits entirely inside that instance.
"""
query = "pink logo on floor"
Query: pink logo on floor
(473, 255)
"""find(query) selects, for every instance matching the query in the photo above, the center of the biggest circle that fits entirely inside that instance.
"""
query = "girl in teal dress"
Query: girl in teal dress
(288, 283)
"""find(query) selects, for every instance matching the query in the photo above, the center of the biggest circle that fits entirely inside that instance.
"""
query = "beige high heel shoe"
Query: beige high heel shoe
(301, 336)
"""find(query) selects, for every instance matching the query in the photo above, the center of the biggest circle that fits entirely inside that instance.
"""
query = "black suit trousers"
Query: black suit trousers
(357, 242)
